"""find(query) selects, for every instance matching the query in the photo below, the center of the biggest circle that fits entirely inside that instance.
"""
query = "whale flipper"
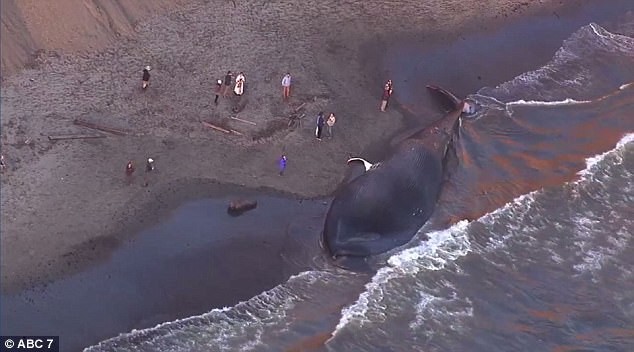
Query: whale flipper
(366, 163)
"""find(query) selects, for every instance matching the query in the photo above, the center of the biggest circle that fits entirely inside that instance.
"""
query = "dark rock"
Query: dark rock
(239, 207)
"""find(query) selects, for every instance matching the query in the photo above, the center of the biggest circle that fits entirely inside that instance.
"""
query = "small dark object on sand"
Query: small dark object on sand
(238, 207)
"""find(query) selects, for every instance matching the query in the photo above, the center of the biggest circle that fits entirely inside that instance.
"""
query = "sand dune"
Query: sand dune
(29, 26)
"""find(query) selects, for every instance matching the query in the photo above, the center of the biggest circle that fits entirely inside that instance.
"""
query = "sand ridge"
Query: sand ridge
(67, 202)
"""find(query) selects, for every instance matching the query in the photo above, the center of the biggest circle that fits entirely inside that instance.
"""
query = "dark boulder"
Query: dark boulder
(238, 207)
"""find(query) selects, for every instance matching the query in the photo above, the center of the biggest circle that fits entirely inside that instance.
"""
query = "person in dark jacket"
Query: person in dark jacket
(228, 81)
(218, 90)
(320, 125)
(146, 77)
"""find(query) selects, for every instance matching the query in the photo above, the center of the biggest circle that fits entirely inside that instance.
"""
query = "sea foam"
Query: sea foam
(442, 248)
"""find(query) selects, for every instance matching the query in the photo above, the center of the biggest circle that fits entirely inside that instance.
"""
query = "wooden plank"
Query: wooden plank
(246, 121)
(217, 128)
(95, 126)
(236, 132)
(57, 137)
(299, 107)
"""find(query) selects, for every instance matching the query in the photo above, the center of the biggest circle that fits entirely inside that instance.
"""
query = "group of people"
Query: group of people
(223, 87)
(321, 122)
(328, 123)
(388, 89)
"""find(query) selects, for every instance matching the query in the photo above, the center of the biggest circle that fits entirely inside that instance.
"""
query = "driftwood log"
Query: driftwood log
(242, 120)
(299, 107)
(58, 137)
(94, 126)
(238, 207)
(218, 128)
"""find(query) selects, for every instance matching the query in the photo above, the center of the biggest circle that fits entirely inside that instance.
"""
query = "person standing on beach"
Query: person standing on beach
(228, 80)
(146, 77)
(282, 164)
(218, 91)
(330, 122)
(286, 86)
(239, 88)
(129, 170)
(387, 93)
(320, 125)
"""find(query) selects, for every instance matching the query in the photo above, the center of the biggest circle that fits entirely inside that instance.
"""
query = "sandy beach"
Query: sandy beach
(67, 203)
(81, 240)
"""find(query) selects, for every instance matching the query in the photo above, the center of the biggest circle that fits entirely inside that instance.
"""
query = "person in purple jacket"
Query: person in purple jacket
(282, 164)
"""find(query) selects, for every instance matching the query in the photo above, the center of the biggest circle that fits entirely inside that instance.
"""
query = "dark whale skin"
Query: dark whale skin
(384, 207)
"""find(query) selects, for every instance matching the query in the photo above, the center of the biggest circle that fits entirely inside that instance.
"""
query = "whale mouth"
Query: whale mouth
(364, 237)
(356, 245)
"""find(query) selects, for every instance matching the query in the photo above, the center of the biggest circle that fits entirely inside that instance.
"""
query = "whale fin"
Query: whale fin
(366, 163)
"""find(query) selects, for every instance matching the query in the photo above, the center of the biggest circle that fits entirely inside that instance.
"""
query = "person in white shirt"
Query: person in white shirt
(286, 86)
(239, 88)
(330, 122)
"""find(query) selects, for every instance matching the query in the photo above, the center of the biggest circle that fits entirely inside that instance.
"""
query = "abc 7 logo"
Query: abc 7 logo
(9, 343)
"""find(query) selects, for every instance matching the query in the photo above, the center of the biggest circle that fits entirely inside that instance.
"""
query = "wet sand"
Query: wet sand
(196, 259)
(68, 205)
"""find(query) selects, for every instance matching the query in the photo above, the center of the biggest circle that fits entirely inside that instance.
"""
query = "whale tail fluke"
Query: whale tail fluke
(449, 99)
(366, 163)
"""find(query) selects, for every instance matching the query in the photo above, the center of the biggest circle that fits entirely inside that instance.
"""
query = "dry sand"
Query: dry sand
(67, 203)
(32, 26)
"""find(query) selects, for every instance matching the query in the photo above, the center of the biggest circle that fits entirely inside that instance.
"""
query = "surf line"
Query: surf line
(567, 101)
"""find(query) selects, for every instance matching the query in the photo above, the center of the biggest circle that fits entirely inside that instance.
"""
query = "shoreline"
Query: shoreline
(126, 214)
(57, 200)
(196, 259)
(170, 197)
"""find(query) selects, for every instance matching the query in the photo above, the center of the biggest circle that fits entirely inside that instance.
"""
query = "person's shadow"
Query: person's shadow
(238, 102)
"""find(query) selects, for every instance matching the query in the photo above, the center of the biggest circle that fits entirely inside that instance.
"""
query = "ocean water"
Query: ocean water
(530, 249)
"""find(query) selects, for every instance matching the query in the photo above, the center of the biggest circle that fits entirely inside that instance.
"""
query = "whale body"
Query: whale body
(384, 207)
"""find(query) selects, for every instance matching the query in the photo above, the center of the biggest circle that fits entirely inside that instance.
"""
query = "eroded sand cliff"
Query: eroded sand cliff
(29, 26)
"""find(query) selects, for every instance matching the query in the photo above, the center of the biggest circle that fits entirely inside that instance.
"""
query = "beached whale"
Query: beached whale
(384, 207)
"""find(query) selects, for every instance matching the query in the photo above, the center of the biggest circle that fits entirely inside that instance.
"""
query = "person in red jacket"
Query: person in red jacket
(387, 93)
